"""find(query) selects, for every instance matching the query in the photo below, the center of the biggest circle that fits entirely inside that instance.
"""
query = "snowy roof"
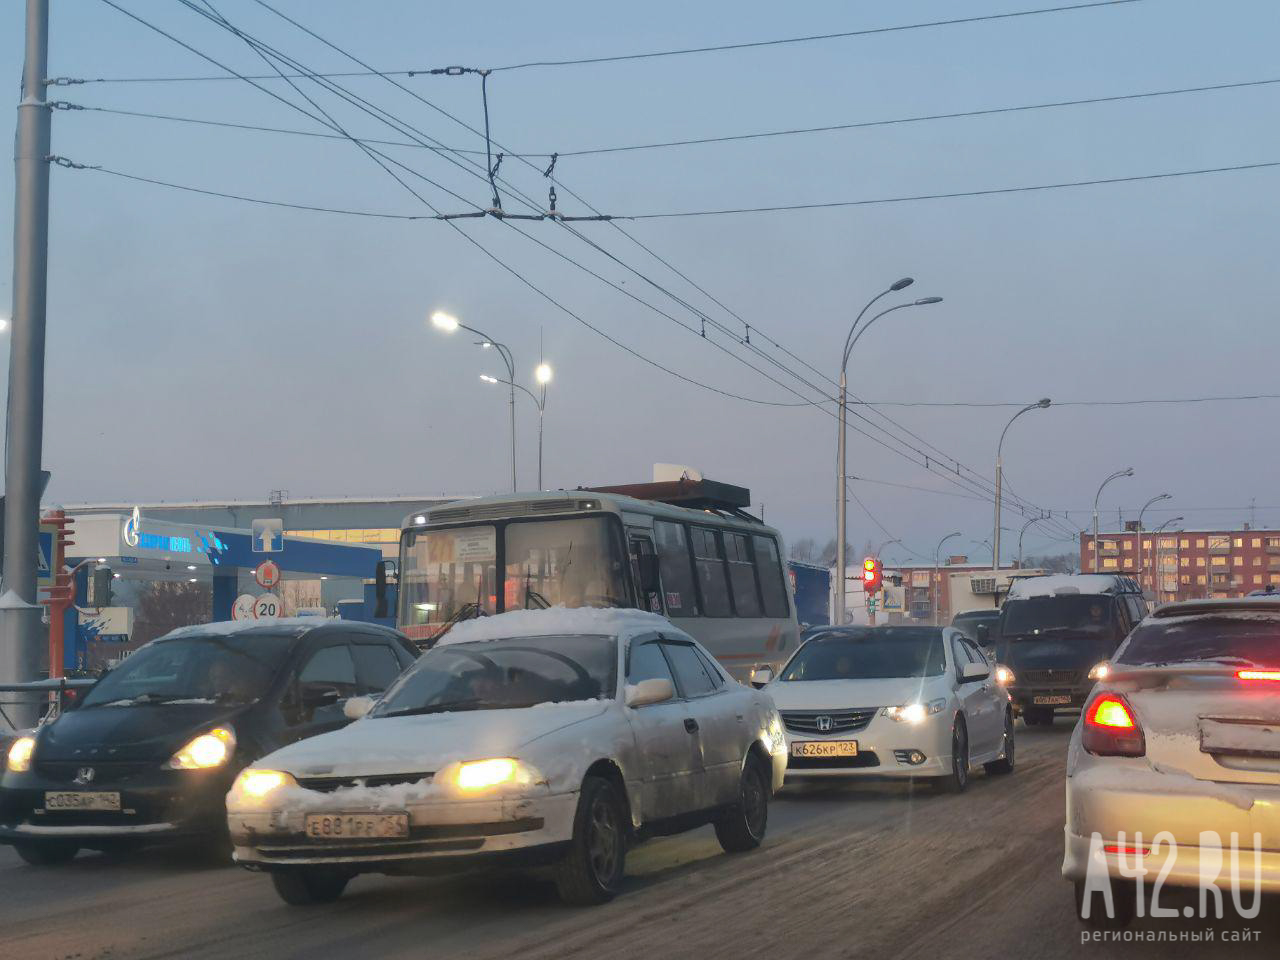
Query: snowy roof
(225, 628)
(556, 621)
(1067, 583)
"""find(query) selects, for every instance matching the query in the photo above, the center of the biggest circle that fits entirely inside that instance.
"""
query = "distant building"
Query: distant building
(1189, 564)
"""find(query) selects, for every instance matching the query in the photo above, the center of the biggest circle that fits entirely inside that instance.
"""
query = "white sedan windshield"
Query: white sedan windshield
(505, 674)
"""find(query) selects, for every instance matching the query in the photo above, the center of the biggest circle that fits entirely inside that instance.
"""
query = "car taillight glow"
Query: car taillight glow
(1258, 675)
(1127, 848)
(1111, 729)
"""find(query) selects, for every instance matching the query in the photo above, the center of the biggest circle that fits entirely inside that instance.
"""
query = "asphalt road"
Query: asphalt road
(871, 870)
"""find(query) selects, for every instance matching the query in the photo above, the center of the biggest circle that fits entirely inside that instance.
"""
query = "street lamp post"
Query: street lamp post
(1126, 472)
(448, 323)
(995, 551)
(1156, 550)
(842, 416)
(543, 375)
(937, 583)
(1142, 557)
(1024, 530)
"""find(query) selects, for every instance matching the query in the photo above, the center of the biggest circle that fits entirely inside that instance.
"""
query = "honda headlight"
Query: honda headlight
(206, 751)
(1100, 671)
(915, 712)
(20, 752)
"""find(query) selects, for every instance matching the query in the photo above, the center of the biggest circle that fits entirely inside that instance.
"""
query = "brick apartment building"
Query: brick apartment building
(1189, 564)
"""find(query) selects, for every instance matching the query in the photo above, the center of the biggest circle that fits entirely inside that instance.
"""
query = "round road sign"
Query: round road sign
(267, 607)
(243, 607)
(267, 574)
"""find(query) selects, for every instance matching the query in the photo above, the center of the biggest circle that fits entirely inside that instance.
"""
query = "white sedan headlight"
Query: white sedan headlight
(478, 776)
(1100, 671)
(915, 712)
(209, 750)
(255, 786)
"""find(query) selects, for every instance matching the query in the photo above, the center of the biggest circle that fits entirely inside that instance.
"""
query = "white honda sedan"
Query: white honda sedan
(1177, 754)
(546, 737)
(915, 702)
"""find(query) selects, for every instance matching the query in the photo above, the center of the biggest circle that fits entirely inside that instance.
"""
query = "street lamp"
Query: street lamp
(1127, 472)
(1021, 532)
(937, 583)
(1156, 537)
(448, 323)
(841, 473)
(543, 375)
(1142, 557)
(1038, 405)
(880, 549)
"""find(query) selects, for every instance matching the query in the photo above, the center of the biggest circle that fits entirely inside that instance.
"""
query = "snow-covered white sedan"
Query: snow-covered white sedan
(1176, 758)
(545, 737)
(915, 702)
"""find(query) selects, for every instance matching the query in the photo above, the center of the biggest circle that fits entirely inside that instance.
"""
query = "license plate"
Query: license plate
(82, 800)
(1051, 701)
(353, 826)
(825, 748)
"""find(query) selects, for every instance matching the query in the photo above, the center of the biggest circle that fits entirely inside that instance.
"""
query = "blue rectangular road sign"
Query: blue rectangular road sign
(268, 536)
(44, 556)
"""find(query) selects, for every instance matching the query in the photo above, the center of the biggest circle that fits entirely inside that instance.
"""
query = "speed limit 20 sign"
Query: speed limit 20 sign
(266, 607)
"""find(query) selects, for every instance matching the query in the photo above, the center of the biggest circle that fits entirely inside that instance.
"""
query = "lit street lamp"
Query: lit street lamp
(1127, 472)
(1038, 405)
(448, 323)
(543, 375)
(937, 582)
(842, 496)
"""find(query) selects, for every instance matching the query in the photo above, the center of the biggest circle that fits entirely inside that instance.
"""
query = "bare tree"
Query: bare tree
(167, 605)
(803, 548)
(1054, 563)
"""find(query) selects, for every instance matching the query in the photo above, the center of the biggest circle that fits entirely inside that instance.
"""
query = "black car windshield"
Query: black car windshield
(871, 654)
(201, 668)
(505, 674)
(1077, 613)
(1253, 640)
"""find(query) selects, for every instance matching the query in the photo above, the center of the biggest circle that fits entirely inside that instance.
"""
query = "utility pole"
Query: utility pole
(19, 614)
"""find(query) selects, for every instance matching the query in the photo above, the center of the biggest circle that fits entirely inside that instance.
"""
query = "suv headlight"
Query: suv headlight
(20, 752)
(1100, 671)
(206, 751)
(915, 712)
(1004, 676)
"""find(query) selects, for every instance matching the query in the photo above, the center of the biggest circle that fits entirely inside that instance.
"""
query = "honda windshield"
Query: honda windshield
(505, 674)
(870, 654)
(1038, 616)
(195, 669)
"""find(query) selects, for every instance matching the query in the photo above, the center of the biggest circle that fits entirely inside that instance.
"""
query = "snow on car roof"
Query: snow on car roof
(1055, 584)
(223, 628)
(555, 621)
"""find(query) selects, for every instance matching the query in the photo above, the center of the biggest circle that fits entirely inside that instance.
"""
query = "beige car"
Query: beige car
(1177, 752)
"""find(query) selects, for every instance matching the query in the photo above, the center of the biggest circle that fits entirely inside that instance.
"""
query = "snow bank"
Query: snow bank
(555, 621)
(1064, 583)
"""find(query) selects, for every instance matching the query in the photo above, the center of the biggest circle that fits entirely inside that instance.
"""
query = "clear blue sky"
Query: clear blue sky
(205, 348)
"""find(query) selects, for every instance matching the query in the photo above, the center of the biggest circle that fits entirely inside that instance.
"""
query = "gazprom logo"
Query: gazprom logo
(132, 527)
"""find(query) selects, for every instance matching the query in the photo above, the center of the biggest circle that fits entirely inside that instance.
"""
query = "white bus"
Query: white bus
(714, 570)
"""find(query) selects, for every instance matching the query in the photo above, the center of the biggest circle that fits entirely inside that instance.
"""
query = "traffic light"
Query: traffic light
(871, 575)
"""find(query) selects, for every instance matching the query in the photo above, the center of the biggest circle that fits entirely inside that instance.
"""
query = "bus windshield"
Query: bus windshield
(570, 562)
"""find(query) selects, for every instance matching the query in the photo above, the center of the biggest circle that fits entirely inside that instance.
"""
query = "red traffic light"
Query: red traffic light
(871, 575)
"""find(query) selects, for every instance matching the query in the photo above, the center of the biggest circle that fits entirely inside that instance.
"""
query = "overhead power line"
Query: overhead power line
(1071, 403)
(617, 58)
(778, 208)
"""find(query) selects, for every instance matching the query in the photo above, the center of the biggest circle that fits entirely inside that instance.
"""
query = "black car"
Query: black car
(152, 748)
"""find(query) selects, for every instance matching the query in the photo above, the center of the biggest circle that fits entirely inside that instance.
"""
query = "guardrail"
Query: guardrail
(57, 686)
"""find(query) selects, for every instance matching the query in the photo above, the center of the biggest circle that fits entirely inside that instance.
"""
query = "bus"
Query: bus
(685, 549)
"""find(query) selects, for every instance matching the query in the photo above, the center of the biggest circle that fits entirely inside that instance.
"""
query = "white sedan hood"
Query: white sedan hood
(426, 743)
(848, 694)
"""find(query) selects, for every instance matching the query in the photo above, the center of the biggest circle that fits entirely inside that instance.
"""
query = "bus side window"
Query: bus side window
(642, 555)
(676, 569)
(742, 575)
(772, 587)
(712, 576)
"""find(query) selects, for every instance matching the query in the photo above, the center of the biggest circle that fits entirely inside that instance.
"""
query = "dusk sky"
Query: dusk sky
(206, 348)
